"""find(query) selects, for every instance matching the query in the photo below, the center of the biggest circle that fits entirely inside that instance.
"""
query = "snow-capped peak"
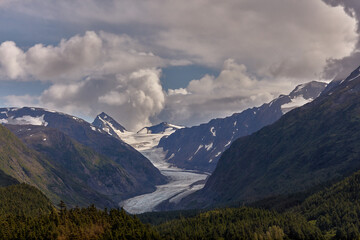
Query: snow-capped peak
(109, 125)
(310, 90)
(144, 139)
(303, 94)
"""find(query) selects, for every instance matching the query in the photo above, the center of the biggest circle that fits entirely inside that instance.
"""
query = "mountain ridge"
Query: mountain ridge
(210, 140)
(97, 177)
(308, 146)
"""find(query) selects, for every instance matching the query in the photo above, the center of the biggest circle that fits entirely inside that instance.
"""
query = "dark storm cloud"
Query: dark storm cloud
(340, 68)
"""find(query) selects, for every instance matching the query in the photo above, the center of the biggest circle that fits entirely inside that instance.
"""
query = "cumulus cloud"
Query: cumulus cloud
(75, 58)
(11, 60)
(131, 99)
(235, 89)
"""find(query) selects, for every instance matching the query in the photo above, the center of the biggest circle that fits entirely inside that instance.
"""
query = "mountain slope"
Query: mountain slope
(200, 147)
(6, 180)
(97, 174)
(308, 146)
(28, 166)
(141, 175)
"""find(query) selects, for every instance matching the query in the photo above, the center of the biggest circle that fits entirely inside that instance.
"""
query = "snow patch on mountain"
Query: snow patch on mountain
(228, 143)
(200, 146)
(213, 131)
(209, 146)
(295, 102)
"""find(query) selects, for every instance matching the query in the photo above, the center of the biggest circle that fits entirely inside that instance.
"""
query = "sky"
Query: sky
(183, 62)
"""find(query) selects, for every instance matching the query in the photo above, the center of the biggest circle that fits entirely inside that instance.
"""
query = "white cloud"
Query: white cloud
(21, 101)
(181, 91)
(131, 99)
(75, 58)
(113, 98)
(11, 60)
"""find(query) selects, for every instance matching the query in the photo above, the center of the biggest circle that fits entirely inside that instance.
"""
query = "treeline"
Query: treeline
(77, 223)
(240, 223)
(91, 223)
(333, 213)
(23, 199)
(336, 210)
(26, 213)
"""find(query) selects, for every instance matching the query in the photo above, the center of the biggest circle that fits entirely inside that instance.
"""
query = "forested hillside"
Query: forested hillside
(332, 213)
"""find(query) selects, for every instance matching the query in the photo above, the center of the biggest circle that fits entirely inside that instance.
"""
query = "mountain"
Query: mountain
(143, 140)
(308, 146)
(159, 128)
(200, 147)
(141, 176)
(108, 124)
(96, 177)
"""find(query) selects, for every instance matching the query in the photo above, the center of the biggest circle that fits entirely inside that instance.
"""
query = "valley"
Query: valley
(181, 183)
(180, 120)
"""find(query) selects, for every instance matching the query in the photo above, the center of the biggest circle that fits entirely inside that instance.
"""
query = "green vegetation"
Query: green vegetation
(240, 223)
(26, 165)
(26, 213)
(77, 223)
(157, 218)
(332, 213)
(23, 199)
(336, 210)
